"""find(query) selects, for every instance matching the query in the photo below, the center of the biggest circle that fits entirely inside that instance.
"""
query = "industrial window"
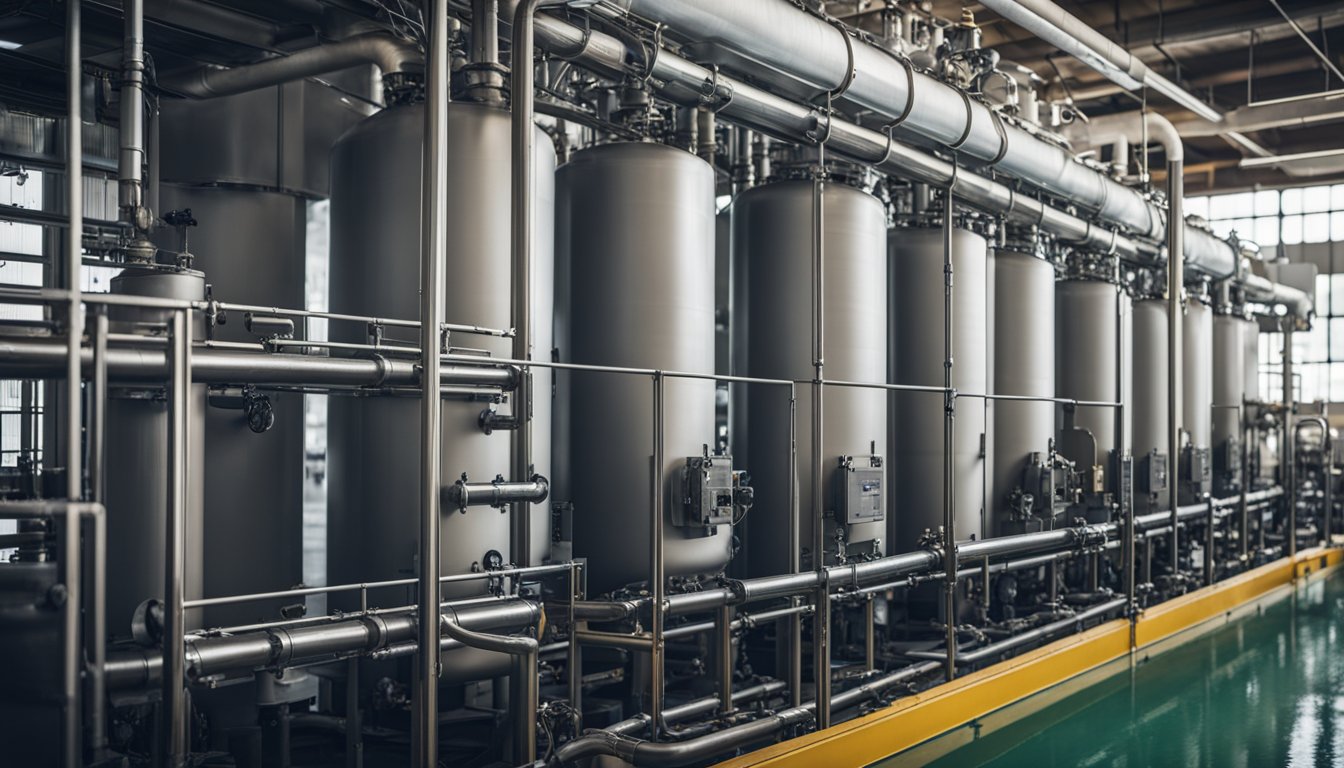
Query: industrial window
(1288, 217)
(1318, 354)
(1275, 217)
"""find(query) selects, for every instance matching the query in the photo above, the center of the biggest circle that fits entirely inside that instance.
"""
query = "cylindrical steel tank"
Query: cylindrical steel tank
(635, 232)
(1090, 317)
(1197, 373)
(1024, 365)
(773, 229)
(917, 358)
(1149, 375)
(30, 639)
(250, 244)
(1229, 388)
(137, 463)
(374, 464)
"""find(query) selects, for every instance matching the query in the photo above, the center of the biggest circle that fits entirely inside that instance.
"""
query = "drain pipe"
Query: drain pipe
(522, 679)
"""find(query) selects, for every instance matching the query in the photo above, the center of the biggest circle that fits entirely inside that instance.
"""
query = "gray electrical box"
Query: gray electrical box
(862, 490)
(707, 492)
(1152, 477)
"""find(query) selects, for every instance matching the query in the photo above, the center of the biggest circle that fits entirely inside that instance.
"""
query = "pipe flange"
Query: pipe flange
(282, 647)
(191, 658)
(738, 588)
(376, 627)
(384, 368)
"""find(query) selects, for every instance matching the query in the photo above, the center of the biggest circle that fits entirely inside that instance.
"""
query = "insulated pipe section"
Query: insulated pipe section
(498, 494)
(690, 84)
(867, 76)
(209, 365)
(392, 55)
(1269, 292)
(212, 656)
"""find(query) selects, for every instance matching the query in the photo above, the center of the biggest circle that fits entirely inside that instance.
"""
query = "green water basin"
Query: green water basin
(1265, 690)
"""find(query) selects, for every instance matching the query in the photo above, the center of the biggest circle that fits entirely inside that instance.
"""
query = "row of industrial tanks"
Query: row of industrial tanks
(625, 244)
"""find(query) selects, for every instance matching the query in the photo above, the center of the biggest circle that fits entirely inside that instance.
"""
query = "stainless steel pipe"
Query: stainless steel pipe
(225, 655)
(22, 359)
(434, 249)
(176, 728)
(691, 84)
(392, 55)
(499, 493)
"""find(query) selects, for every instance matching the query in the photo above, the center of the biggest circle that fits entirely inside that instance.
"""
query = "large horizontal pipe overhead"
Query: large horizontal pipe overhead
(392, 55)
(1058, 27)
(691, 84)
(771, 32)
(1261, 289)
(43, 359)
(210, 656)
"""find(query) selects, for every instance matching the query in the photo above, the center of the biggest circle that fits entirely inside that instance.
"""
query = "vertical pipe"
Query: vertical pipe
(723, 627)
(95, 639)
(1124, 480)
(70, 634)
(523, 695)
(74, 244)
(521, 87)
(1329, 469)
(657, 583)
(152, 162)
(485, 31)
(1208, 544)
(1245, 481)
(1287, 456)
(574, 659)
(706, 140)
(74, 248)
(98, 415)
(794, 643)
(176, 722)
(821, 622)
(354, 742)
(433, 243)
(1175, 280)
(130, 166)
(870, 632)
(949, 434)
